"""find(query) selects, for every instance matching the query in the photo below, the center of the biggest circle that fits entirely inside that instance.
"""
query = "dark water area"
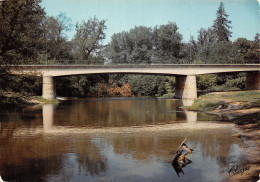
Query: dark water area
(54, 142)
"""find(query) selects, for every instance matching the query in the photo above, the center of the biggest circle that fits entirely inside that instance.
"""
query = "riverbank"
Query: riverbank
(17, 100)
(244, 108)
(250, 135)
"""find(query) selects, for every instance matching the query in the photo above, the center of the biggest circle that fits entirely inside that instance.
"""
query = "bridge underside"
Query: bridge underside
(186, 86)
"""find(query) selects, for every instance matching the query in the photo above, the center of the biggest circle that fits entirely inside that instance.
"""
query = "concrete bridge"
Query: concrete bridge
(185, 74)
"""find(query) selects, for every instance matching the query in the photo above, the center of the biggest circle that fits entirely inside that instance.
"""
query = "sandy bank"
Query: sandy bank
(250, 134)
(61, 130)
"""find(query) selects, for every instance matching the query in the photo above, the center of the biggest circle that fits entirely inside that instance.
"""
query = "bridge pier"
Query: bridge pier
(48, 88)
(253, 81)
(186, 87)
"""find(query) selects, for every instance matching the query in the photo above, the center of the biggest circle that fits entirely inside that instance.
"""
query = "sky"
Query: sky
(189, 15)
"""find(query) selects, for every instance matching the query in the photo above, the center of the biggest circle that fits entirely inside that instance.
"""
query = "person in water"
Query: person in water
(181, 158)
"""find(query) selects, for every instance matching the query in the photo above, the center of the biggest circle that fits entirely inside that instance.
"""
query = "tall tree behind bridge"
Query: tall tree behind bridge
(213, 44)
(88, 39)
(257, 39)
(56, 46)
(133, 47)
(221, 24)
(145, 45)
(167, 43)
(204, 45)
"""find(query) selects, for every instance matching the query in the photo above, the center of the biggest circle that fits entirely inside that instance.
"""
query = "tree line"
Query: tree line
(29, 36)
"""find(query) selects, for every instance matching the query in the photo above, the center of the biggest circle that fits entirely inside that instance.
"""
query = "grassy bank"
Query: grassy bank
(45, 101)
(227, 101)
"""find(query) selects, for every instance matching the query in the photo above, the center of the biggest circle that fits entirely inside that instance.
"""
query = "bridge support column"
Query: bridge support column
(253, 81)
(48, 88)
(186, 87)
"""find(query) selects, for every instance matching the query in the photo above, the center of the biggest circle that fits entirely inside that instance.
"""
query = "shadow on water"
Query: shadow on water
(253, 118)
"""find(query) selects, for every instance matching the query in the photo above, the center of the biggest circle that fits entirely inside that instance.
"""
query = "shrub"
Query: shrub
(168, 95)
(233, 84)
(206, 82)
(9, 102)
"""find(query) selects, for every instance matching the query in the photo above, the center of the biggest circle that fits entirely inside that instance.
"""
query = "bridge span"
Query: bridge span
(185, 74)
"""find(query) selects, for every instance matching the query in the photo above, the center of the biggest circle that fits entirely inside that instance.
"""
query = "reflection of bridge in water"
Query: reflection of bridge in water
(48, 114)
(186, 87)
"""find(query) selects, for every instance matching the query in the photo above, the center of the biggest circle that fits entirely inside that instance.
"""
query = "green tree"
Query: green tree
(188, 51)
(206, 42)
(140, 45)
(170, 84)
(20, 30)
(118, 53)
(88, 38)
(57, 46)
(147, 85)
(167, 43)
(222, 53)
(206, 82)
(144, 45)
(133, 47)
(221, 24)
(257, 38)
(245, 51)
(80, 85)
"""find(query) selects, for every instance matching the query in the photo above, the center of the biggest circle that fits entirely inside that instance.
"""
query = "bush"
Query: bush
(233, 84)
(27, 85)
(206, 82)
(10, 102)
(168, 95)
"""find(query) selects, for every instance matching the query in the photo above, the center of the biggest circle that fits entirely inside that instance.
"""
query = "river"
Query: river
(114, 139)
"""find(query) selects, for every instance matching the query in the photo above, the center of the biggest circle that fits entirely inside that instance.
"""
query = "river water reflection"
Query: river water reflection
(113, 139)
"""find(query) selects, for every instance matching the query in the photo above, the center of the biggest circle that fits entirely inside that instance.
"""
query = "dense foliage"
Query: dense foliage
(88, 38)
(29, 36)
(21, 31)
(144, 45)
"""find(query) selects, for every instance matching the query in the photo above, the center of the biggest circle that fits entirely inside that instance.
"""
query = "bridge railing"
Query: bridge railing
(108, 62)
(71, 62)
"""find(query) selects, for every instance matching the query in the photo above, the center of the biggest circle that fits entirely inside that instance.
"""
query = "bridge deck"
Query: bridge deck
(159, 69)
(137, 66)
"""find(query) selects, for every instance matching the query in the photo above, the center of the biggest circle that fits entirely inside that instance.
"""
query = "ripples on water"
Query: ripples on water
(53, 142)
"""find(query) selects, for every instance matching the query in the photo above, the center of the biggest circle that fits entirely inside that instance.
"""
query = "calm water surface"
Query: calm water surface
(52, 142)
